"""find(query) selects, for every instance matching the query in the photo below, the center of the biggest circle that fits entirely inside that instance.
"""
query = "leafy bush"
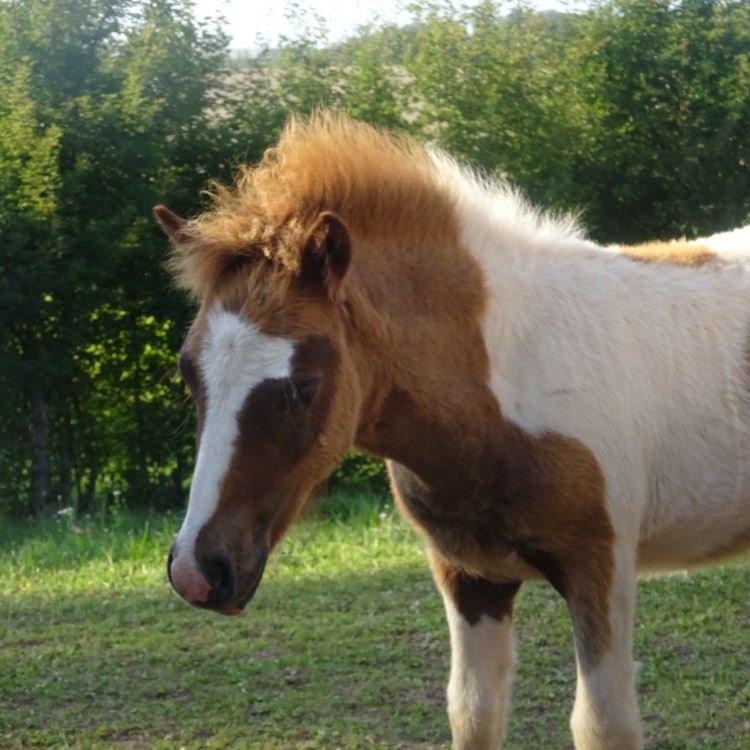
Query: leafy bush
(360, 473)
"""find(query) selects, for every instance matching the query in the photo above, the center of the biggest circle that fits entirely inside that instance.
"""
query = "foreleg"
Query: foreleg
(605, 715)
(482, 655)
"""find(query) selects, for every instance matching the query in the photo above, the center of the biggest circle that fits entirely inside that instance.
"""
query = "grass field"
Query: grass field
(344, 646)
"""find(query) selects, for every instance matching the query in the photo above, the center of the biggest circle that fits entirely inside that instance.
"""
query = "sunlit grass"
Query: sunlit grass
(344, 646)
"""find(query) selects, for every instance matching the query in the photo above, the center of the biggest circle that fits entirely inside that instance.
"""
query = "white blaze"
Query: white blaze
(235, 358)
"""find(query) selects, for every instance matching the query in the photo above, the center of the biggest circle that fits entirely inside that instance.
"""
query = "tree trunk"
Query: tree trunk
(65, 453)
(86, 503)
(40, 463)
(66, 470)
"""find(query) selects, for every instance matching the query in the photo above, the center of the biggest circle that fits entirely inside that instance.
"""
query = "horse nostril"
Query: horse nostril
(218, 573)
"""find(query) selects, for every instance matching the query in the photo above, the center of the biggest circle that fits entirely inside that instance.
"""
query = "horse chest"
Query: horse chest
(467, 528)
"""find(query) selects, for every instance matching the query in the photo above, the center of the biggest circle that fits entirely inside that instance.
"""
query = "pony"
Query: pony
(549, 408)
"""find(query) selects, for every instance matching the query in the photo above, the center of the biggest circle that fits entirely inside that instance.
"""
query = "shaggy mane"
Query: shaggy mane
(379, 184)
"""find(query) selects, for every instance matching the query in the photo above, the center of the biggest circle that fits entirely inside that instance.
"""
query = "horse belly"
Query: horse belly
(688, 547)
(697, 520)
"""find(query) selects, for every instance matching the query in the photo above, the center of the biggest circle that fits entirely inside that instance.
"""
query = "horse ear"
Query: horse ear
(172, 224)
(326, 254)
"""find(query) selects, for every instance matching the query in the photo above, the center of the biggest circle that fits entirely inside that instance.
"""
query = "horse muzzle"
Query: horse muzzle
(213, 581)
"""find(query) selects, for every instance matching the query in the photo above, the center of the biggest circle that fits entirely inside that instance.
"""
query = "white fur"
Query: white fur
(481, 671)
(605, 714)
(647, 366)
(235, 357)
(729, 244)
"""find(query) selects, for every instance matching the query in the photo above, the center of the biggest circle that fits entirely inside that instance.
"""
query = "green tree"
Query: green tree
(669, 84)
(495, 88)
(108, 111)
(363, 75)
(374, 84)
(29, 185)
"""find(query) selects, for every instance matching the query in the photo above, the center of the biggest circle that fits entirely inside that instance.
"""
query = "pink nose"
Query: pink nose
(188, 581)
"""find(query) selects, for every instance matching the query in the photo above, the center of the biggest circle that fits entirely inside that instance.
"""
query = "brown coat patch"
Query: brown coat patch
(677, 252)
(473, 596)
(523, 508)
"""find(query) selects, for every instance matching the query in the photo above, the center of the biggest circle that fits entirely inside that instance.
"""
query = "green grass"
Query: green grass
(344, 646)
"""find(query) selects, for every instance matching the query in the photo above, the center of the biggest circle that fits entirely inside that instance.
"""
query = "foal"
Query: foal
(549, 408)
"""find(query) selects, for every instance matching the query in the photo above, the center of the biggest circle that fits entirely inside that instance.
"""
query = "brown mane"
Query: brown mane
(378, 184)
(676, 252)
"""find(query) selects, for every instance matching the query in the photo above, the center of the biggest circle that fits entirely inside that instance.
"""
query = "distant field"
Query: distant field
(345, 646)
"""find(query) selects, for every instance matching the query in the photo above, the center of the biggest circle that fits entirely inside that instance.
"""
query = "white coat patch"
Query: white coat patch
(235, 358)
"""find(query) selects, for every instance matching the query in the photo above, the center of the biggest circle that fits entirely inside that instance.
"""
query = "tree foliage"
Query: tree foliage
(106, 108)
(635, 112)
(669, 84)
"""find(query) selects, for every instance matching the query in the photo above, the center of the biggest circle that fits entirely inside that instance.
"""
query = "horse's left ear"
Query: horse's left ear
(172, 224)
(326, 254)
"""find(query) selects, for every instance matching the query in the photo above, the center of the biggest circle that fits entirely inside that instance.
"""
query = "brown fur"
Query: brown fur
(474, 597)
(677, 252)
(379, 185)
(510, 508)
(497, 505)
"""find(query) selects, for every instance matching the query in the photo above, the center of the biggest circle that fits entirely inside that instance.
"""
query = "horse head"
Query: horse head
(267, 364)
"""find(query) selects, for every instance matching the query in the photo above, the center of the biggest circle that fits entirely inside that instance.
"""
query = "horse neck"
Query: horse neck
(421, 353)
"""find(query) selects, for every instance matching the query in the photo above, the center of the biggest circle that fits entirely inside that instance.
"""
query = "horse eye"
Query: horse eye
(306, 388)
(295, 394)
